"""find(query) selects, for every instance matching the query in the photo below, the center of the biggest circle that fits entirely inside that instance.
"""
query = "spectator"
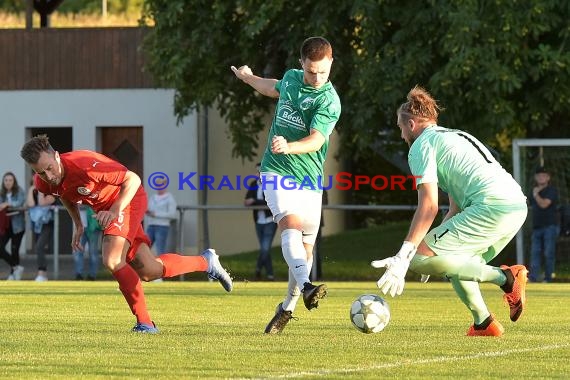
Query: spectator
(41, 217)
(12, 201)
(90, 242)
(161, 211)
(265, 227)
(545, 227)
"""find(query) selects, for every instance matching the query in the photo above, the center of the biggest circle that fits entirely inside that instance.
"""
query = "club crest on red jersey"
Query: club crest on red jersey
(83, 190)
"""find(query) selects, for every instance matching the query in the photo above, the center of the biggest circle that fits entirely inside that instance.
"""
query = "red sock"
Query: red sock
(131, 287)
(175, 264)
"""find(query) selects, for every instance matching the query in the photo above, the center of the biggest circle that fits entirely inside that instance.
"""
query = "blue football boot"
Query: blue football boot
(144, 328)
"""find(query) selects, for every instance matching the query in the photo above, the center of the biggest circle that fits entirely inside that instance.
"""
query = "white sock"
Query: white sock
(293, 291)
(295, 255)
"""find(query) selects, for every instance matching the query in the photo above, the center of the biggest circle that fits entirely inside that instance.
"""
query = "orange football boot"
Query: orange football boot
(494, 329)
(517, 297)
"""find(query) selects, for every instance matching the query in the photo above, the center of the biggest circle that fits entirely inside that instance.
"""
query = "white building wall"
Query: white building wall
(167, 147)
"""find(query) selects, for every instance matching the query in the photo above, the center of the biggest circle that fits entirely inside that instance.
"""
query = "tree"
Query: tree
(500, 68)
(193, 44)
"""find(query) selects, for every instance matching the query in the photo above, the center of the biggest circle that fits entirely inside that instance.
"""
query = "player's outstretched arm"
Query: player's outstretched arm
(425, 213)
(392, 282)
(264, 86)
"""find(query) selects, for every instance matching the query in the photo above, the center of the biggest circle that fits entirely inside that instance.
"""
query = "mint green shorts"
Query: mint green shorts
(480, 229)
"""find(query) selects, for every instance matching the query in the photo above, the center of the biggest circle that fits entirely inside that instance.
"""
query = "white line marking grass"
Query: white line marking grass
(408, 363)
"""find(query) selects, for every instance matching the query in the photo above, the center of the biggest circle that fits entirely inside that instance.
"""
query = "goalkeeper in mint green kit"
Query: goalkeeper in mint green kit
(486, 209)
(307, 110)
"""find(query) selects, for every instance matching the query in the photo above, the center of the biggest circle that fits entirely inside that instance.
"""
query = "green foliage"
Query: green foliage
(500, 68)
(193, 44)
(12, 6)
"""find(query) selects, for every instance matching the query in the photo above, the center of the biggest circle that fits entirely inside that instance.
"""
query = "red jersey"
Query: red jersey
(90, 178)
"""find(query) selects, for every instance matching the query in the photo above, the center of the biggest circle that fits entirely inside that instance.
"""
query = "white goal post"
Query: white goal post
(520, 176)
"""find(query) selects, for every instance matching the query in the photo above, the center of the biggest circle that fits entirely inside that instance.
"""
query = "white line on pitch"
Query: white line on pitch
(407, 363)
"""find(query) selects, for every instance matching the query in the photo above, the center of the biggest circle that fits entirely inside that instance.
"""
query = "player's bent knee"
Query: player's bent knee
(150, 272)
(113, 265)
(148, 277)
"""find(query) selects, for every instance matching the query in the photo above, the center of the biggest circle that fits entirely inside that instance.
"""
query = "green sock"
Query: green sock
(470, 294)
(465, 273)
(461, 267)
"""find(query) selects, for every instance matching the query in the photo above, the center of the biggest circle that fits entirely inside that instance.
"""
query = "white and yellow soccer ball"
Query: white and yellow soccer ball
(370, 313)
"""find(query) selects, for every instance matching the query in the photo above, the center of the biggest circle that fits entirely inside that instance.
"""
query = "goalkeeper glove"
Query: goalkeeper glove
(392, 281)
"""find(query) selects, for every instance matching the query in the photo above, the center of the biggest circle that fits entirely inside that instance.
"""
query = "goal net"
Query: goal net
(554, 155)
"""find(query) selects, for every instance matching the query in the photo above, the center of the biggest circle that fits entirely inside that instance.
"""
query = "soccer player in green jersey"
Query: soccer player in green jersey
(307, 110)
(486, 209)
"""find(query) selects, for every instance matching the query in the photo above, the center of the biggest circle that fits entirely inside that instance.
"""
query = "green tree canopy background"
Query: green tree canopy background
(500, 68)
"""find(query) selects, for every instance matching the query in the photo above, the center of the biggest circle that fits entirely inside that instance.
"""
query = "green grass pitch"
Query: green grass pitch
(81, 330)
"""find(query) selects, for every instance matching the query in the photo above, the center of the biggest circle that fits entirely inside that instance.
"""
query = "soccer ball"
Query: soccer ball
(370, 313)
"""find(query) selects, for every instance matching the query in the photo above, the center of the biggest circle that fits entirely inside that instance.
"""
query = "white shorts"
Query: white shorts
(284, 197)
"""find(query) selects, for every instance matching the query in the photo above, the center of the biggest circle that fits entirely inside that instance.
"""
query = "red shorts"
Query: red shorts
(129, 225)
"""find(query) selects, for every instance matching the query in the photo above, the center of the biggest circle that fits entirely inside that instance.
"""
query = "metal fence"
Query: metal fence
(183, 209)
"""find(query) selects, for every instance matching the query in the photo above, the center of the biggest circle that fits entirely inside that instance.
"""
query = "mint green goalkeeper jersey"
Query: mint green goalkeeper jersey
(462, 167)
(301, 108)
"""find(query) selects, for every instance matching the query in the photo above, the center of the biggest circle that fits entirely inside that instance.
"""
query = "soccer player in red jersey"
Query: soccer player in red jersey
(120, 202)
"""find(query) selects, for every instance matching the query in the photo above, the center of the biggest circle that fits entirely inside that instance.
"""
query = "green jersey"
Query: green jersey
(301, 108)
(462, 167)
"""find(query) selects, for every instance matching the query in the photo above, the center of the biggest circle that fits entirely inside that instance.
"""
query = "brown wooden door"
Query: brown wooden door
(124, 144)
